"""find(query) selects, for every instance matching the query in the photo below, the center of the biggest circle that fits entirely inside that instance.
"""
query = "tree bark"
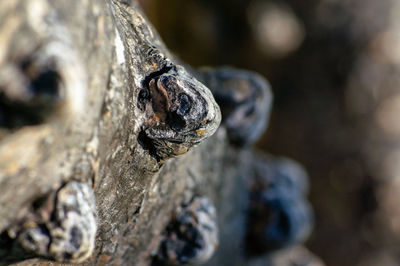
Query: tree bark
(71, 77)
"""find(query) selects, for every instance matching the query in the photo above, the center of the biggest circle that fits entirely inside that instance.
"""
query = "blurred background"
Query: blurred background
(334, 67)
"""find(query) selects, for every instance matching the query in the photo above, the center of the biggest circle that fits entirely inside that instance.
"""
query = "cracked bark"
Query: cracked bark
(98, 54)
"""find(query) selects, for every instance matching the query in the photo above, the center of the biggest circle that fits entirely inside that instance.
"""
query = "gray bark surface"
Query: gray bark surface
(101, 52)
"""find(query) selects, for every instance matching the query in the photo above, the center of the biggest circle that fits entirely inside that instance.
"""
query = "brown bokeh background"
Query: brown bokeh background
(334, 69)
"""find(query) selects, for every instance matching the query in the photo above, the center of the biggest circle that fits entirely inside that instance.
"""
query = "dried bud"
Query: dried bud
(245, 99)
(29, 90)
(191, 236)
(43, 78)
(180, 112)
(279, 214)
(70, 233)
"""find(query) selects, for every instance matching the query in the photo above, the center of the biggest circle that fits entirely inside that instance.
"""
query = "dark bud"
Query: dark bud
(69, 234)
(34, 92)
(180, 112)
(245, 100)
(191, 236)
(279, 214)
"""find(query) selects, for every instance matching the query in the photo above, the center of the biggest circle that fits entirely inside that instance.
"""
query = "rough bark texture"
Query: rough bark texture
(98, 54)
(336, 103)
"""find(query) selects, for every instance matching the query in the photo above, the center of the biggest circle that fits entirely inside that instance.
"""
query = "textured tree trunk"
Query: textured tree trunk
(72, 119)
